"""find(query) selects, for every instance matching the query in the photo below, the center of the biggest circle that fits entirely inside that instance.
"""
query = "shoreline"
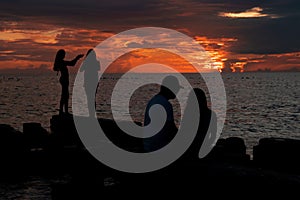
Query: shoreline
(63, 130)
(275, 162)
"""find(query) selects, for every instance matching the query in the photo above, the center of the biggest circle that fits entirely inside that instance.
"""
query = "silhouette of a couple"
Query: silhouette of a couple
(207, 123)
(90, 67)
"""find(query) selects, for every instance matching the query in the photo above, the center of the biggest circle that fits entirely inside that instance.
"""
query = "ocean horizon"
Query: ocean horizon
(260, 104)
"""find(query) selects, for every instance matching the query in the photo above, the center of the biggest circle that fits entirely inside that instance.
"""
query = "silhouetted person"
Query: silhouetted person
(90, 66)
(169, 130)
(207, 128)
(61, 65)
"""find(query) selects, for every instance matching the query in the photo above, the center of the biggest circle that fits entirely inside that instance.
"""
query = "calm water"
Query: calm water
(258, 105)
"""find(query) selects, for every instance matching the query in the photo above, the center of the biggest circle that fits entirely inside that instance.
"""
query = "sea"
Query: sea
(259, 105)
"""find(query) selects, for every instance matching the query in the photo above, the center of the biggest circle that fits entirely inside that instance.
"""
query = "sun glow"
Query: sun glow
(145, 56)
(216, 49)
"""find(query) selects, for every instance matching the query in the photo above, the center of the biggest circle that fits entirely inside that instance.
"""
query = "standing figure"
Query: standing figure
(90, 66)
(61, 65)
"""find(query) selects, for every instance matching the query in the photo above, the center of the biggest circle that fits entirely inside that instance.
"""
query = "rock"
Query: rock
(235, 146)
(35, 136)
(230, 149)
(278, 153)
(11, 149)
(62, 123)
(120, 138)
(63, 131)
(10, 139)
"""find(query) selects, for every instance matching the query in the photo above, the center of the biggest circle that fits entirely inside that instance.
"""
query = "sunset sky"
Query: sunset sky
(239, 35)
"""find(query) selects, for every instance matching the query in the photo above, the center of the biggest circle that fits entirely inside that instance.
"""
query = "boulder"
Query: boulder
(230, 149)
(64, 131)
(11, 148)
(35, 136)
(10, 139)
(278, 153)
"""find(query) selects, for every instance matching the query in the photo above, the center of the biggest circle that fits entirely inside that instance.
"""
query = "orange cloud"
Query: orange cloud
(269, 62)
(275, 62)
(22, 48)
(43, 37)
(217, 49)
(24, 64)
(254, 12)
(146, 56)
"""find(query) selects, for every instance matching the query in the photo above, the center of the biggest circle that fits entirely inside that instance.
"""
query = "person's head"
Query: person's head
(201, 97)
(60, 55)
(170, 87)
(90, 55)
(90, 52)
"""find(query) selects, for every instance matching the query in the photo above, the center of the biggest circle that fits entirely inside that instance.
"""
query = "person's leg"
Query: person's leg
(66, 104)
(90, 95)
(66, 99)
(61, 103)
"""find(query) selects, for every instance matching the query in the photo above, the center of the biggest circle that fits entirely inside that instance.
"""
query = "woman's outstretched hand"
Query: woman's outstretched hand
(79, 56)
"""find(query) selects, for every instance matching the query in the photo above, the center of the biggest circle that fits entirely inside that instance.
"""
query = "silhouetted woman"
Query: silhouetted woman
(61, 65)
(90, 66)
(207, 128)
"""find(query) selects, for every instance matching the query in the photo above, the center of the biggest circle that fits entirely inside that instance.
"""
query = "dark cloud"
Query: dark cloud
(269, 36)
(77, 13)
(255, 35)
(84, 23)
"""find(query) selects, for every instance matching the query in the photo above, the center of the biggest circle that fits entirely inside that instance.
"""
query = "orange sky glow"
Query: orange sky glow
(217, 48)
(145, 56)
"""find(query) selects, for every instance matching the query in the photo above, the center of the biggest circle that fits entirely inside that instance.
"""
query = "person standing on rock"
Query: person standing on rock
(60, 65)
(90, 67)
